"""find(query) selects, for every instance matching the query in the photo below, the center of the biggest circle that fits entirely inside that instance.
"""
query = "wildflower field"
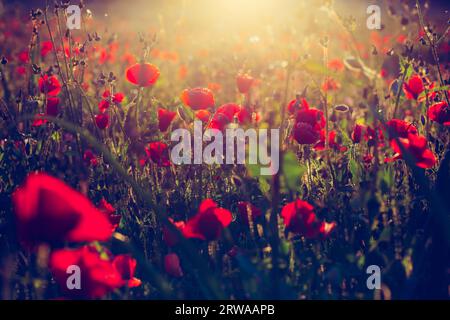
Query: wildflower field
(349, 201)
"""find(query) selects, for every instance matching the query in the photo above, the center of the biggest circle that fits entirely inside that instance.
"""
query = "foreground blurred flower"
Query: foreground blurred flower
(98, 274)
(49, 85)
(244, 83)
(172, 265)
(142, 74)
(440, 113)
(299, 218)
(49, 211)
(110, 211)
(246, 210)
(102, 120)
(169, 237)
(208, 223)
(400, 128)
(416, 147)
(165, 118)
(198, 98)
(413, 87)
(126, 266)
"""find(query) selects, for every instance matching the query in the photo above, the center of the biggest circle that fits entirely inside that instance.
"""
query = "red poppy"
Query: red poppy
(416, 147)
(246, 210)
(110, 211)
(219, 121)
(300, 218)
(229, 110)
(330, 85)
(102, 120)
(209, 222)
(358, 132)
(98, 274)
(296, 105)
(172, 265)
(440, 113)
(49, 85)
(39, 120)
(400, 128)
(413, 87)
(52, 107)
(312, 116)
(336, 65)
(46, 47)
(103, 106)
(90, 158)
(165, 118)
(116, 98)
(24, 56)
(47, 210)
(304, 133)
(126, 266)
(169, 237)
(203, 115)
(142, 74)
(244, 83)
(198, 98)
(244, 116)
(158, 152)
(332, 143)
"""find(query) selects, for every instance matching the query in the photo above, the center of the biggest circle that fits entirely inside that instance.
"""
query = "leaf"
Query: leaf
(292, 170)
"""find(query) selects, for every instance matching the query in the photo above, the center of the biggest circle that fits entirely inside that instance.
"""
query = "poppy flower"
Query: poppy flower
(116, 98)
(49, 211)
(244, 83)
(198, 98)
(214, 87)
(98, 274)
(165, 118)
(126, 266)
(110, 211)
(330, 85)
(52, 108)
(142, 74)
(244, 116)
(332, 143)
(312, 116)
(168, 236)
(209, 222)
(158, 152)
(358, 132)
(203, 115)
(246, 210)
(229, 110)
(440, 113)
(297, 104)
(39, 120)
(300, 218)
(49, 85)
(413, 87)
(416, 147)
(46, 47)
(90, 158)
(336, 65)
(304, 133)
(172, 265)
(24, 56)
(400, 128)
(102, 120)
(103, 106)
(219, 121)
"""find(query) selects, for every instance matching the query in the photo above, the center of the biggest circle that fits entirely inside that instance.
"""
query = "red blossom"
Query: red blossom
(102, 120)
(169, 237)
(98, 274)
(244, 83)
(400, 128)
(416, 147)
(142, 74)
(46, 47)
(158, 152)
(300, 218)
(165, 118)
(52, 106)
(413, 87)
(49, 85)
(203, 115)
(49, 211)
(440, 113)
(198, 98)
(126, 266)
(110, 211)
(209, 222)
